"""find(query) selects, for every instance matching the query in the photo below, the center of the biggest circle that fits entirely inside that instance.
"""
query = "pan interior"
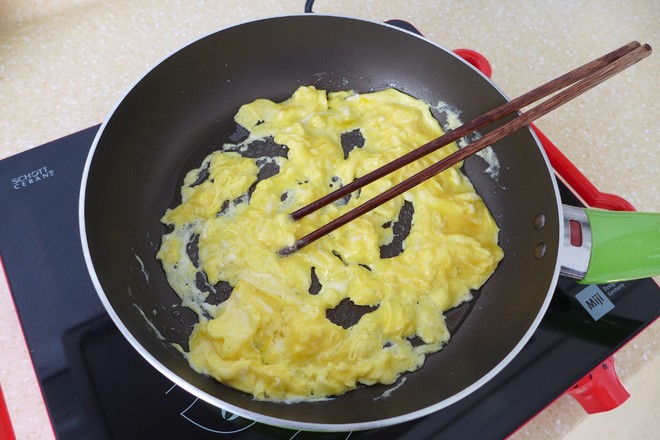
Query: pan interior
(184, 107)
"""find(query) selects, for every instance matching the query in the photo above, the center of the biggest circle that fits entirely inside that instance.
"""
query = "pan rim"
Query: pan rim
(276, 421)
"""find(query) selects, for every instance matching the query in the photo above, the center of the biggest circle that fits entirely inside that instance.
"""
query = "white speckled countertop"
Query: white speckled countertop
(64, 63)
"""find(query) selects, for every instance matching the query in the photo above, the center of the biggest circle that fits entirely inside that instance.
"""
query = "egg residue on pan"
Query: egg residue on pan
(361, 305)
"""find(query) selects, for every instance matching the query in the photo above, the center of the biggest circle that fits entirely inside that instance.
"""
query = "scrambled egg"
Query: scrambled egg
(273, 335)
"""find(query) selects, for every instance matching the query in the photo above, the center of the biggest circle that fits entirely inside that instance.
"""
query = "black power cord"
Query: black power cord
(308, 6)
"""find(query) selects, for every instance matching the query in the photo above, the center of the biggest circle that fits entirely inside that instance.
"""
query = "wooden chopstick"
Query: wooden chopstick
(467, 128)
(582, 79)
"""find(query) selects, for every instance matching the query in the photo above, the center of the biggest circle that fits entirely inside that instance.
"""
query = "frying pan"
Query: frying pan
(183, 108)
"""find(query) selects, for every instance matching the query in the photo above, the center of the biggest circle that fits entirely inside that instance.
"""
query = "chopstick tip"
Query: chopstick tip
(288, 250)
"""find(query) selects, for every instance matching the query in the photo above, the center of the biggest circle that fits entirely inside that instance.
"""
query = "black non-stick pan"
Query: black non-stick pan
(183, 108)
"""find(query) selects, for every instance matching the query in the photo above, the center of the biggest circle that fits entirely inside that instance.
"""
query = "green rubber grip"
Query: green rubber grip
(625, 246)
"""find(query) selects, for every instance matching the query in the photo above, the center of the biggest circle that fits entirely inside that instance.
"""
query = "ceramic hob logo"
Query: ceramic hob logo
(32, 177)
(595, 301)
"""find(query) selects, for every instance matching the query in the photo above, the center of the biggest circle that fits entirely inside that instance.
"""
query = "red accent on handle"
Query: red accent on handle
(601, 390)
(576, 233)
(476, 59)
(6, 430)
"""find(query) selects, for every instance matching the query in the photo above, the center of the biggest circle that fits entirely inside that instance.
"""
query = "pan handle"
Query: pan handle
(617, 245)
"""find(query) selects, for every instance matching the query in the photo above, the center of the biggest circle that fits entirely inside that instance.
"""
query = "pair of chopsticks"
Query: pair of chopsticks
(568, 86)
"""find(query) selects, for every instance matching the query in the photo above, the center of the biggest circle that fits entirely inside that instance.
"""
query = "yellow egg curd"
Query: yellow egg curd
(273, 336)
